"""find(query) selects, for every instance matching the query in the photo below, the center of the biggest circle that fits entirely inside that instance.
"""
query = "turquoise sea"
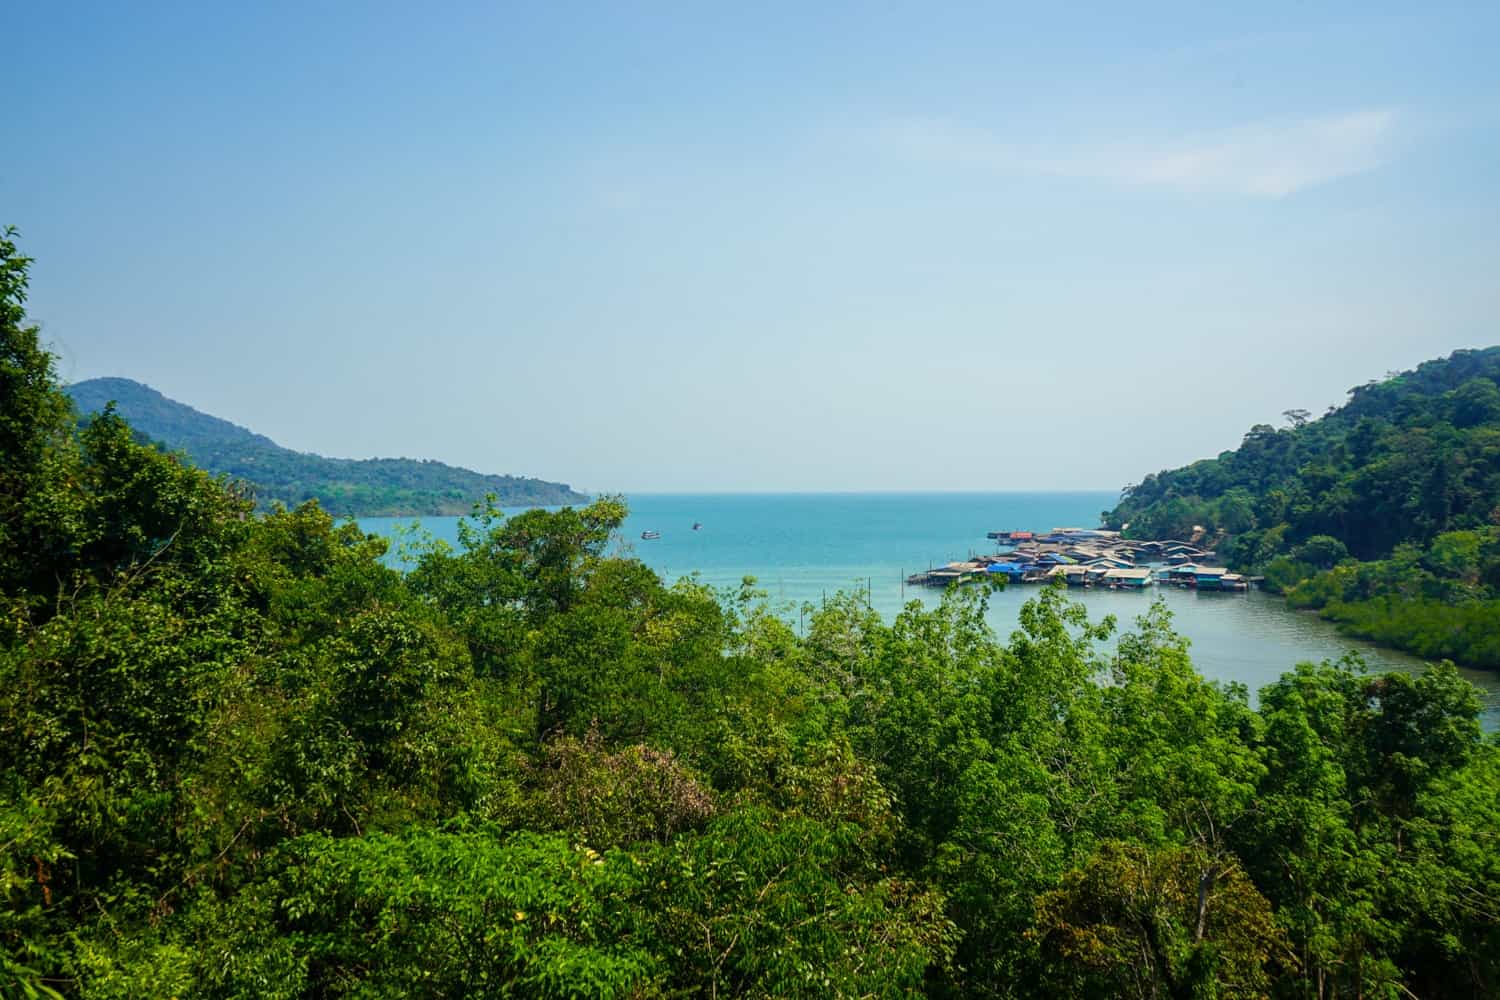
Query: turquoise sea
(801, 547)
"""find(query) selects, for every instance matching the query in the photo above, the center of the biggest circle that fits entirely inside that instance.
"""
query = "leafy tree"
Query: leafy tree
(1322, 552)
(1168, 923)
(437, 914)
(617, 799)
(761, 906)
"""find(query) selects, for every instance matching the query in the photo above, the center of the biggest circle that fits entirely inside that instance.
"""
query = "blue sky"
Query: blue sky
(658, 247)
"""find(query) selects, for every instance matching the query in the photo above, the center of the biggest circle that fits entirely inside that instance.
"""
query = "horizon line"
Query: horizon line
(853, 492)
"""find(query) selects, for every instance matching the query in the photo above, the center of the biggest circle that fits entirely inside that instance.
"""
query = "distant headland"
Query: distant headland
(399, 487)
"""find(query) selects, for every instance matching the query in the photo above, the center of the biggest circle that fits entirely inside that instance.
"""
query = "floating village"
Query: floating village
(1089, 557)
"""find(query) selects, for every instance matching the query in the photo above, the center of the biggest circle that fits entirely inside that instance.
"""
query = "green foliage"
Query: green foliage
(242, 756)
(1365, 843)
(34, 438)
(1405, 477)
(1465, 633)
(1403, 461)
(432, 913)
(1174, 922)
(760, 905)
(1321, 551)
(276, 475)
(617, 799)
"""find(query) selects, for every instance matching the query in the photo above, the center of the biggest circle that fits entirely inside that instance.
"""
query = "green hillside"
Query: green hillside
(1384, 513)
(361, 487)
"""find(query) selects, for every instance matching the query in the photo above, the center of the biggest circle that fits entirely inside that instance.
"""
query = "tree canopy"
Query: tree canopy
(1384, 513)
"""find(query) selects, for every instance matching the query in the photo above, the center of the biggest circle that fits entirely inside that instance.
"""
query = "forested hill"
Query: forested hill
(1384, 513)
(367, 487)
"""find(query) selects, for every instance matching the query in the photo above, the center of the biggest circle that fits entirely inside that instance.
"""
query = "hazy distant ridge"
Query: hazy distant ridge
(365, 487)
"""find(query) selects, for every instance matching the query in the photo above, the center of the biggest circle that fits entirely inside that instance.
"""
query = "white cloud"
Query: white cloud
(1267, 159)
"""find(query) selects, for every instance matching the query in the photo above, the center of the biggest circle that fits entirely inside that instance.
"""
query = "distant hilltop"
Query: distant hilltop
(371, 487)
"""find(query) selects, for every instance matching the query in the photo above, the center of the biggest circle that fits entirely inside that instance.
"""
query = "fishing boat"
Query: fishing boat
(649, 535)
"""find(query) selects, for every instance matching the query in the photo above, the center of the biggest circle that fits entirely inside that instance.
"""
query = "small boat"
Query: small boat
(697, 525)
(648, 535)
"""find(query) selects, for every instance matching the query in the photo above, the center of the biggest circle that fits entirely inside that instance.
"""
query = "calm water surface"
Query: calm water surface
(801, 547)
